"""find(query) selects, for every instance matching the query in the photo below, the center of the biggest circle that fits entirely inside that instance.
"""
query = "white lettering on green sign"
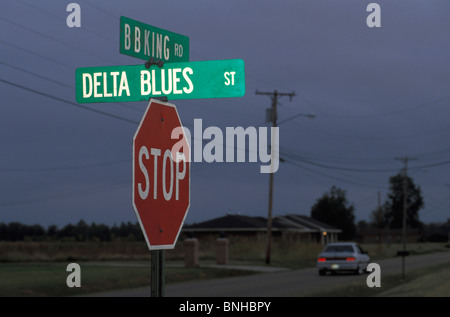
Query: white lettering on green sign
(190, 80)
(144, 41)
(93, 82)
(170, 81)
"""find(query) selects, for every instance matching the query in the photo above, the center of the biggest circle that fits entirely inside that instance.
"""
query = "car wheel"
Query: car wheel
(359, 270)
(322, 272)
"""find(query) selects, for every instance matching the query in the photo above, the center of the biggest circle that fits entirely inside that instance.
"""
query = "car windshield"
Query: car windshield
(339, 248)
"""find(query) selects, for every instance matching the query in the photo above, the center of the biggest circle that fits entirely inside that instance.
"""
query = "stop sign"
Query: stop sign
(161, 175)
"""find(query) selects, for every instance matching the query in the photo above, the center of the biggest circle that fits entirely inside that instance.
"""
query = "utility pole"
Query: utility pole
(379, 221)
(405, 202)
(273, 116)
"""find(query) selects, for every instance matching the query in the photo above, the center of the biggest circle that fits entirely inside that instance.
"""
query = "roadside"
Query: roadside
(254, 268)
(434, 282)
(27, 272)
(307, 282)
(428, 281)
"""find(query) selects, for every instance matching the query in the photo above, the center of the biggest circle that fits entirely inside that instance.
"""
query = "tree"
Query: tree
(81, 231)
(67, 232)
(15, 231)
(333, 209)
(100, 232)
(393, 207)
(378, 218)
(52, 232)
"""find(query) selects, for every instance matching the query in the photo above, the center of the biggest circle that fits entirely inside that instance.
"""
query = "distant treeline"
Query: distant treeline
(16, 231)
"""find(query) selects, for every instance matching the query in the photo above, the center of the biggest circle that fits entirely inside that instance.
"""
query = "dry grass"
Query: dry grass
(37, 268)
(241, 250)
(71, 251)
(433, 283)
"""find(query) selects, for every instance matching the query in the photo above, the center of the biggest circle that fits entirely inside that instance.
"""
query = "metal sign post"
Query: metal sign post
(157, 273)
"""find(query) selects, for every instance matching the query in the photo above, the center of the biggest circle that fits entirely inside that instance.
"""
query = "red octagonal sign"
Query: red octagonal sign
(161, 175)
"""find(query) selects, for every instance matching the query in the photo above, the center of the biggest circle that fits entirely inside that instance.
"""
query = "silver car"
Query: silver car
(342, 256)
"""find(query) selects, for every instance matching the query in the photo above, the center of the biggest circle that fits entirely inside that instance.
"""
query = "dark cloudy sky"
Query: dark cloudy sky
(377, 93)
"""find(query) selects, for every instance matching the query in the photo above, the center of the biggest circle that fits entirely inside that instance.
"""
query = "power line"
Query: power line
(406, 109)
(34, 54)
(60, 18)
(84, 191)
(300, 158)
(328, 158)
(37, 75)
(59, 83)
(331, 176)
(63, 168)
(337, 167)
(67, 101)
(51, 38)
(102, 10)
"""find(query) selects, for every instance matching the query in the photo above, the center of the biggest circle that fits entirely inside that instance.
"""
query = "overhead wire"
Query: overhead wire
(58, 17)
(34, 54)
(60, 83)
(296, 158)
(67, 101)
(84, 191)
(62, 168)
(328, 176)
(58, 41)
(300, 158)
(56, 82)
(390, 113)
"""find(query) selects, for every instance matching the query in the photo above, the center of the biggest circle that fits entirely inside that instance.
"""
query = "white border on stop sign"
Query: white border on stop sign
(169, 246)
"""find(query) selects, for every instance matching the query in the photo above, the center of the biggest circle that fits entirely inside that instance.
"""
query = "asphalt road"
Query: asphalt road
(282, 283)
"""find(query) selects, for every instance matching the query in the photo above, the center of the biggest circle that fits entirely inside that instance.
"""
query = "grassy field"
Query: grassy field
(49, 279)
(432, 281)
(284, 254)
(39, 269)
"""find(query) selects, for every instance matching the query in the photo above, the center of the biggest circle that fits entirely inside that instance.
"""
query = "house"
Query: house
(304, 228)
(289, 228)
(228, 225)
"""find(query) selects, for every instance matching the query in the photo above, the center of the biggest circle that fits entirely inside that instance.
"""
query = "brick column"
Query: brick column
(222, 251)
(191, 252)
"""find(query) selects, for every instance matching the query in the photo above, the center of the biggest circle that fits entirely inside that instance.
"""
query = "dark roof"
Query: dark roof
(304, 223)
(235, 222)
(230, 222)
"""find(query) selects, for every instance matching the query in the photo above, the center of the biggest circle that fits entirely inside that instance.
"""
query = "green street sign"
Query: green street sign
(189, 80)
(144, 41)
